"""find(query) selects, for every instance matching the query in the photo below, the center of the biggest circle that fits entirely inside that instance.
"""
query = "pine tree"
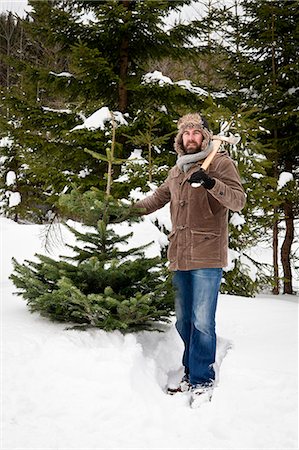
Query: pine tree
(12, 45)
(30, 121)
(252, 32)
(220, 57)
(270, 40)
(105, 287)
(103, 62)
(75, 68)
(105, 284)
(148, 140)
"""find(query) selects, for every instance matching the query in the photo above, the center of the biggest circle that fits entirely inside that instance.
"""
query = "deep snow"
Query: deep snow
(66, 389)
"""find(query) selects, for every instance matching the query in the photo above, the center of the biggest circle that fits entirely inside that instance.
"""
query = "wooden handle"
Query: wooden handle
(210, 157)
(216, 145)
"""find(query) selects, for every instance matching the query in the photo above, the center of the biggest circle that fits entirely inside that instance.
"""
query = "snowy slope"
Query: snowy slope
(65, 389)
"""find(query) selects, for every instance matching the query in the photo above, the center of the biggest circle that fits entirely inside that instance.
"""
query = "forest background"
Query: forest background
(87, 84)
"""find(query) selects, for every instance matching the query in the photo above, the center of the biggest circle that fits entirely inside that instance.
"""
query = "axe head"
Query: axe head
(231, 139)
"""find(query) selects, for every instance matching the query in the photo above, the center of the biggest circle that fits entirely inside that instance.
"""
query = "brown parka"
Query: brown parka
(199, 236)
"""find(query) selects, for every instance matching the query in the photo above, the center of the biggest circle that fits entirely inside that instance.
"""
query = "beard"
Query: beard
(192, 147)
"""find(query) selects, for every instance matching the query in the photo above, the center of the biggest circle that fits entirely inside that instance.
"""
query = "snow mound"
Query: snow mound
(69, 389)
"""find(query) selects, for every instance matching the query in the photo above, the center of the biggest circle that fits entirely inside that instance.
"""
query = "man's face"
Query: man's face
(192, 139)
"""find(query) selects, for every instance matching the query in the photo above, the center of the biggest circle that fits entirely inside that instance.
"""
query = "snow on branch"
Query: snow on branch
(160, 79)
(284, 178)
(61, 74)
(99, 118)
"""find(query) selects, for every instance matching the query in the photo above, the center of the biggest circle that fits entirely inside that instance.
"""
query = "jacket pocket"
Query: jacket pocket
(172, 247)
(205, 246)
(200, 213)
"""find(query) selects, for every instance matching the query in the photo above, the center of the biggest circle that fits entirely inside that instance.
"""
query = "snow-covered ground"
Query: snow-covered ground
(66, 389)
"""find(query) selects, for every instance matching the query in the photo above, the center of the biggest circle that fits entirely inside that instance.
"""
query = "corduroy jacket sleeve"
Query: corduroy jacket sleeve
(155, 201)
(228, 188)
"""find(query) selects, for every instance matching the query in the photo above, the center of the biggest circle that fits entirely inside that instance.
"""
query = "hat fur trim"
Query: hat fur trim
(191, 121)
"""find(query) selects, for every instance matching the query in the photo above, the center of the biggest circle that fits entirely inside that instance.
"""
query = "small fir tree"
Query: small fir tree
(105, 284)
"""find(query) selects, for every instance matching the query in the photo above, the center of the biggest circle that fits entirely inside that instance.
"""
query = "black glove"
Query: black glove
(202, 178)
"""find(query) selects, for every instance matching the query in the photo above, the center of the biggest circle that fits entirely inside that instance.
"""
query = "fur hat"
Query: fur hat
(192, 121)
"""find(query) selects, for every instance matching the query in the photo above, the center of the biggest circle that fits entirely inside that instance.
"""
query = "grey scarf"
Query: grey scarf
(185, 162)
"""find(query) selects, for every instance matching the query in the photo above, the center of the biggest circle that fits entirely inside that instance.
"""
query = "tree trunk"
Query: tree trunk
(275, 159)
(275, 289)
(150, 163)
(286, 248)
(111, 158)
(123, 66)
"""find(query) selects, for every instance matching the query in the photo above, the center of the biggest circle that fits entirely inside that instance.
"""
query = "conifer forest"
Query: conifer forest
(86, 85)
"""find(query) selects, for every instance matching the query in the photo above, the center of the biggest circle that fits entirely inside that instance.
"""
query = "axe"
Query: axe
(231, 139)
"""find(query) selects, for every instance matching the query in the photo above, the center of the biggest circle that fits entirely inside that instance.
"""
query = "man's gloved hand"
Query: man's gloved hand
(201, 177)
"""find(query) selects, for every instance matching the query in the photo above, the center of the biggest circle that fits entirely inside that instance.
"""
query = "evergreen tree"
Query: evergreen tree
(103, 62)
(105, 284)
(270, 40)
(29, 120)
(220, 57)
(252, 33)
(12, 45)
(81, 66)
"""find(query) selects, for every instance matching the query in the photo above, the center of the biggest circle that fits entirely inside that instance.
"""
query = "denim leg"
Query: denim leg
(182, 281)
(196, 301)
(206, 283)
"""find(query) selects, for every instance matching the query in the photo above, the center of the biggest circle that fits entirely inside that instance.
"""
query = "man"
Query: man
(198, 244)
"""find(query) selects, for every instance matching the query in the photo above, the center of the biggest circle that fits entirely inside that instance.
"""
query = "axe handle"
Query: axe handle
(216, 145)
(210, 157)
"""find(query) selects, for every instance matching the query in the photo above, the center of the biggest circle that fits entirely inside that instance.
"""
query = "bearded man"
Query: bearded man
(198, 245)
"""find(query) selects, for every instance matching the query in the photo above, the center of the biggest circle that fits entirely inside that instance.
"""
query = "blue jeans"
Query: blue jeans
(196, 302)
